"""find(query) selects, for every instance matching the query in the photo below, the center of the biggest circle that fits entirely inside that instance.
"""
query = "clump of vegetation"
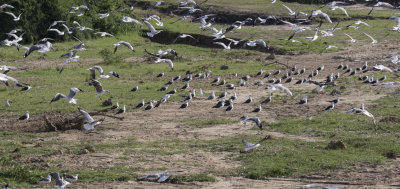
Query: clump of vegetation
(109, 57)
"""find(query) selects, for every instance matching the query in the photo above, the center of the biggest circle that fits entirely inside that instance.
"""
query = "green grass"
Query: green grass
(178, 179)
(209, 122)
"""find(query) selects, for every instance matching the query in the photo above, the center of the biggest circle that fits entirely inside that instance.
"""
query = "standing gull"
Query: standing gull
(24, 117)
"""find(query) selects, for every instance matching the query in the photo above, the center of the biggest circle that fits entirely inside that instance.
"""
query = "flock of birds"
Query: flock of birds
(277, 79)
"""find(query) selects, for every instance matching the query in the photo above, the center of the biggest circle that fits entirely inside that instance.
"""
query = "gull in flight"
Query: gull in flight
(100, 70)
(98, 87)
(70, 96)
(181, 36)
(16, 38)
(103, 34)
(156, 18)
(67, 29)
(397, 20)
(384, 4)
(254, 119)
(24, 117)
(129, 20)
(3, 6)
(226, 47)
(56, 22)
(292, 13)
(340, 8)
(255, 43)
(249, 146)
(42, 48)
(390, 84)
(321, 14)
(352, 40)
(165, 52)
(363, 111)
(161, 176)
(153, 31)
(90, 121)
(15, 18)
(102, 16)
(357, 23)
(81, 28)
(56, 30)
(203, 21)
(60, 182)
(298, 31)
(5, 78)
(8, 103)
(168, 61)
(374, 41)
(381, 68)
(293, 26)
(280, 87)
(116, 45)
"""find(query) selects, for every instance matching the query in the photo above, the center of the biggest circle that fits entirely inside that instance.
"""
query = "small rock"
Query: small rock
(107, 102)
(391, 155)
(224, 67)
(335, 92)
(90, 148)
(333, 145)
(84, 151)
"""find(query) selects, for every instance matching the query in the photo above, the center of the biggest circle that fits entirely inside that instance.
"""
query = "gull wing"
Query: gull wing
(97, 85)
(151, 27)
(57, 97)
(86, 115)
(73, 91)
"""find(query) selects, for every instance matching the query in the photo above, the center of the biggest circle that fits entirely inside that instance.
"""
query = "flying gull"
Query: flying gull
(60, 182)
(168, 61)
(90, 121)
(70, 96)
(116, 45)
(254, 119)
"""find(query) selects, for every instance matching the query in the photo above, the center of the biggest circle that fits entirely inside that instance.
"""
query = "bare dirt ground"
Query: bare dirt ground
(169, 122)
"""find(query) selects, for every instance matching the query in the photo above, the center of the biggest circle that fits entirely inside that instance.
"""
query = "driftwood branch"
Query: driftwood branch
(277, 62)
(49, 123)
